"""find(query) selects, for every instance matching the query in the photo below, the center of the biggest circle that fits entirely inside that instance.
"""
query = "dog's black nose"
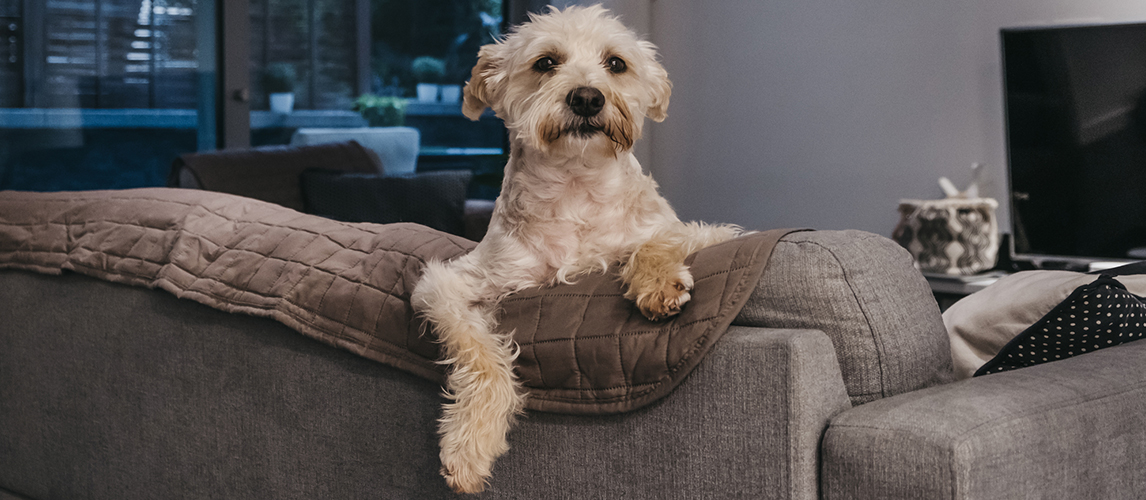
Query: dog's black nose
(585, 101)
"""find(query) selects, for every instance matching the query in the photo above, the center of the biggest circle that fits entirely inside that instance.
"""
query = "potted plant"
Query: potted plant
(428, 72)
(381, 111)
(278, 83)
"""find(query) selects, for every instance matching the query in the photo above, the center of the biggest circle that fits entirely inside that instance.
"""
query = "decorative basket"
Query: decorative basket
(953, 236)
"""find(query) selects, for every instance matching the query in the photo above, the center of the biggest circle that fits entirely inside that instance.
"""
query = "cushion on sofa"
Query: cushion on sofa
(268, 173)
(1095, 316)
(433, 199)
(864, 292)
(981, 324)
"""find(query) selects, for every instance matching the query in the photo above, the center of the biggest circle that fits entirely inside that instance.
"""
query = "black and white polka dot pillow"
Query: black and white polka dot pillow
(1100, 314)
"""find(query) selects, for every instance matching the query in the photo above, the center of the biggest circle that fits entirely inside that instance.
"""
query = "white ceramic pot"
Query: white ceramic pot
(282, 102)
(427, 92)
(451, 94)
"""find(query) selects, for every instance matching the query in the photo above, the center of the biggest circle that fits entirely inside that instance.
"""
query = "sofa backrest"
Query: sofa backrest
(268, 173)
(864, 292)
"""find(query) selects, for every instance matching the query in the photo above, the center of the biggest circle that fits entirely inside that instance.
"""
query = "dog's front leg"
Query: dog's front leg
(658, 280)
(481, 385)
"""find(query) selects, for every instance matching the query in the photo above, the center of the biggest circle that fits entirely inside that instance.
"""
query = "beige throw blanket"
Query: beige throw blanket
(585, 349)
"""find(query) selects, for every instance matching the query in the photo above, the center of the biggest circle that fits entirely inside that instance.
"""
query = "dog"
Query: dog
(573, 87)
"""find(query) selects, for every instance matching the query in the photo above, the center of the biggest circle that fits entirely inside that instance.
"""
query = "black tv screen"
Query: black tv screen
(1075, 101)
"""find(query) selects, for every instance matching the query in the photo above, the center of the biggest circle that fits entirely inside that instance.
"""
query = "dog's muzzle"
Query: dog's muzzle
(585, 101)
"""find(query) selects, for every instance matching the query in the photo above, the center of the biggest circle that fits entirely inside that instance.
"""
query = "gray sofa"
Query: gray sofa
(834, 382)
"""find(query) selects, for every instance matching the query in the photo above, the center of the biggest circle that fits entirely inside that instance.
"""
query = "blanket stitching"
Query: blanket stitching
(263, 262)
(576, 355)
(142, 234)
(401, 278)
(333, 280)
(649, 385)
(385, 299)
(262, 306)
(533, 339)
(291, 260)
(631, 333)
(629, 396)
(227, 247)
(354, 296)
(701, 339)
(253, 221)
(561, 295)
(594, 294)
(390, 292)
(275, 308)
(268, 294)
(722, 312)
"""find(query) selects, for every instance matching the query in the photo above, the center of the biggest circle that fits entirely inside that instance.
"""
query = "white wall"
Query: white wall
(824, 113)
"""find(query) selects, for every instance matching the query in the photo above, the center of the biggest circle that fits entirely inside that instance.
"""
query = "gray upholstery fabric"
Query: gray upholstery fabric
(8, 495)
(863, 291)
(758, 441)
(1074, 429)
(120, 392)
(124, 392)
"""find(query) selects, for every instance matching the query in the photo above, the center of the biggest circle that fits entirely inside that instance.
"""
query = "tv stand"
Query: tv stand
(949, 289)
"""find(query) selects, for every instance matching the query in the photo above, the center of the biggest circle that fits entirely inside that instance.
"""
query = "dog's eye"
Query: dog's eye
(544, 65)
(617, 65)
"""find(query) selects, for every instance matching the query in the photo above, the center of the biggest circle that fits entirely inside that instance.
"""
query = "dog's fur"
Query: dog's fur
(574, 200)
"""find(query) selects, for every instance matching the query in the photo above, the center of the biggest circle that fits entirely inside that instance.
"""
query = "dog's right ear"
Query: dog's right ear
(478, 93)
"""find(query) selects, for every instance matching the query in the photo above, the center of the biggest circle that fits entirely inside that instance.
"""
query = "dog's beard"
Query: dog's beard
(616, 125)
(583, 128)
(543, 120)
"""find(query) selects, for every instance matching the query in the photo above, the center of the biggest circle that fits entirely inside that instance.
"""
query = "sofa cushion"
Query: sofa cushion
(981, 324)
(433, 199)
(396, 147)
(864, 292)
(1095, 316)
(269, 173)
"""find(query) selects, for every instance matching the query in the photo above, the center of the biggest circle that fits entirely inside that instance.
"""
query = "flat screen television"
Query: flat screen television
(1075, 103)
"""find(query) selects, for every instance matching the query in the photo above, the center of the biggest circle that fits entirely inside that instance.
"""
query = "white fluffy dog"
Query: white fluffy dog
(573, 87)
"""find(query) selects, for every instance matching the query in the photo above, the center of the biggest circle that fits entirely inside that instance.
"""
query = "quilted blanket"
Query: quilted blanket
(585, 349)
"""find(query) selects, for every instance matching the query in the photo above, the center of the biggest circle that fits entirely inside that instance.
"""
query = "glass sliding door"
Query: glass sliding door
(104, 94)
(363, 64)
(309, 59)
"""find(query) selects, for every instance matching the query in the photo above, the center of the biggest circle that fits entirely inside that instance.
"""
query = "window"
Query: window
(318, 41)
(104, 94)
(109, 54)
(101, 93)
(425, 51)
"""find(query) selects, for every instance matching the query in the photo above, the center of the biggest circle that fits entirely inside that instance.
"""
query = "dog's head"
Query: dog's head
(570, 75)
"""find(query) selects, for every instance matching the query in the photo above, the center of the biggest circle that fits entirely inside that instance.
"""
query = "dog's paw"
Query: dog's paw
(663, 297)
(462, 477)
(473, 427)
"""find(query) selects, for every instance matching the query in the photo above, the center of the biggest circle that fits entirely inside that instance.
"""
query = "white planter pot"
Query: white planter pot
(427, 92)
(282, 102)
(451, 94)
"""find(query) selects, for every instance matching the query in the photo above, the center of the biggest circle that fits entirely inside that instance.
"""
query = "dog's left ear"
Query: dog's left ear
(478, 92)
(660, 88)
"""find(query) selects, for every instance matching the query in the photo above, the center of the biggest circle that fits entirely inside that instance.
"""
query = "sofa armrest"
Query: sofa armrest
(1074, 428)
(745, 424)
